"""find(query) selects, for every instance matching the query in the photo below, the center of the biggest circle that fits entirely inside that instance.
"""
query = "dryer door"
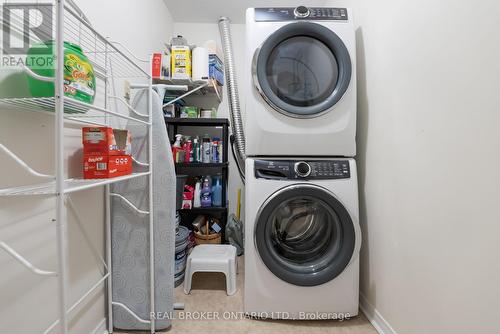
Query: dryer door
(302, 70)
(304, 235)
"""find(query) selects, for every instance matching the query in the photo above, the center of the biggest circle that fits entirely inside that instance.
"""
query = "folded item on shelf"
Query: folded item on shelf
(106, 140)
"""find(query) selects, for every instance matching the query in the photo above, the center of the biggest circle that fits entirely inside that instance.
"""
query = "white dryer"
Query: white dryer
(300, 86)
(302, 238)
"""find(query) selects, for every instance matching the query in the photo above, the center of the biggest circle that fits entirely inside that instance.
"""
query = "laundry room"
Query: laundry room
(249, 166)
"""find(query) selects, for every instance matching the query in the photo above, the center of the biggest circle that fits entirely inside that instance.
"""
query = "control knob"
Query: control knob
(302, 168)
(301, 11)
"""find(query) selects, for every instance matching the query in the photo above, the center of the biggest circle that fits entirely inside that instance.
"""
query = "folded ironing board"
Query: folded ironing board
(130, 229)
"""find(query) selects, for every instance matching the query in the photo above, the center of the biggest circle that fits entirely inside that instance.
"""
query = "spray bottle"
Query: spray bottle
(177, 147)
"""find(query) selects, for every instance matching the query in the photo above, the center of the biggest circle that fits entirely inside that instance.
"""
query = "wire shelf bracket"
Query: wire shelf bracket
(19, 258)
(129, 204)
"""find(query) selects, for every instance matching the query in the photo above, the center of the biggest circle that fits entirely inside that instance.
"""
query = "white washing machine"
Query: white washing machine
(300, 85)
(302, 238)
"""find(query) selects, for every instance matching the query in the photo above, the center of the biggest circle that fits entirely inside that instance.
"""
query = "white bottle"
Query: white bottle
(197, 195)
(200, 63)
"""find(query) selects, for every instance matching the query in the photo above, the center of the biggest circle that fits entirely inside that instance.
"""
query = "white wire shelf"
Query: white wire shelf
(107, 59)
(70, 186)
(72, 107)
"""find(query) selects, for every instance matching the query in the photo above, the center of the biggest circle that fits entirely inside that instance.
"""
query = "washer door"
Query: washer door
(302, 70)
(304, 235)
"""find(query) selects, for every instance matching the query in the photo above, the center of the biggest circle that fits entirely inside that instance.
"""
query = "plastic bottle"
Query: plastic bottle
(200, 63)
(215, 150)
(221, 151)
(187, 147)
(177, 147)
(197, 195)
(206, 194)
(206, 149)
(196, 150)
(217, 193)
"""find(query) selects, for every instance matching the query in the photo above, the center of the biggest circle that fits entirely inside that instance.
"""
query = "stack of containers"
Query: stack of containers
(180, 62)
(106, 152)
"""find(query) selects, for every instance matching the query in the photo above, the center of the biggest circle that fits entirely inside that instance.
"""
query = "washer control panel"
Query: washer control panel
(299, 13)
(302, 169)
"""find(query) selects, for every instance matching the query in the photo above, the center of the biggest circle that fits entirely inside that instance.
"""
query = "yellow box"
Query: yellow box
(181, 62)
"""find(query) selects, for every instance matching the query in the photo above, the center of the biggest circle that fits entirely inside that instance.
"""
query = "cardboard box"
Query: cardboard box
(102, 166)
(106, 141)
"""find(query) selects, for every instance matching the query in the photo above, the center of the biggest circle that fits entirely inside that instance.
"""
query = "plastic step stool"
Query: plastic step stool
(212, 258)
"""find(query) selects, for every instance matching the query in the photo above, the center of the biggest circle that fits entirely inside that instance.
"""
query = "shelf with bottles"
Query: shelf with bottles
(207, 211)
(196, 121)
(199, 144)
(193, 127)
(202, 164)
(189, 69)
(204, 191)
(195, 150)
(206, 196)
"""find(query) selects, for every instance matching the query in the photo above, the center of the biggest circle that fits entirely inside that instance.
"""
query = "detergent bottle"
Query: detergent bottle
(206, 194)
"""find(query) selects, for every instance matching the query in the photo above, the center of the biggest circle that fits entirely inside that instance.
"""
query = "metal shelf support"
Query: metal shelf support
(186, 94)
(132, 206)
(23, 164)
(25, 262)
(127, 105)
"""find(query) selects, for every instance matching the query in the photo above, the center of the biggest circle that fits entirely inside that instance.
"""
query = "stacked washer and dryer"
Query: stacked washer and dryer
(302, 235)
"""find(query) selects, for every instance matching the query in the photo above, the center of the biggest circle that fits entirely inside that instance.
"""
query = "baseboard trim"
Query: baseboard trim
(376, 319)
(100, 328)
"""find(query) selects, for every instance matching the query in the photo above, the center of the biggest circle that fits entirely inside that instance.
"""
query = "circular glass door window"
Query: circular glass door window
(305, 236)
(302, 69)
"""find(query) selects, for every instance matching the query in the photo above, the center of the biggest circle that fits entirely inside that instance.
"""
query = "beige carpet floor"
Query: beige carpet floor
(209, 294)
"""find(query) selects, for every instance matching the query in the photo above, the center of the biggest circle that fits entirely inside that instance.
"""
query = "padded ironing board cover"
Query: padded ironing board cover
(130, 230)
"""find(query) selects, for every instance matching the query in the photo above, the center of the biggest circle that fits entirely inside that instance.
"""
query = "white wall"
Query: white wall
(428, 143)
(28, 303)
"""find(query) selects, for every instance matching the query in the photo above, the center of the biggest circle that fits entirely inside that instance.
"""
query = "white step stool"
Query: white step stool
(212, 258)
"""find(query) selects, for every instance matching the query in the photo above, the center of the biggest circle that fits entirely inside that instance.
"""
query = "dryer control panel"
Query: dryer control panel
(300, 13)
(302, 169)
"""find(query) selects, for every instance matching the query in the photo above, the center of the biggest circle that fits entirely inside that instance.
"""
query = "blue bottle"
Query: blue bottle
(217, 193)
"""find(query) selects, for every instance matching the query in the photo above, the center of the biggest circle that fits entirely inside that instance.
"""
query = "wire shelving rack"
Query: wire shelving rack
(111, 62)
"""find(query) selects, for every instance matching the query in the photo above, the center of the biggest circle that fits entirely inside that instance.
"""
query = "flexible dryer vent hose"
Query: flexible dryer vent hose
(232, 90)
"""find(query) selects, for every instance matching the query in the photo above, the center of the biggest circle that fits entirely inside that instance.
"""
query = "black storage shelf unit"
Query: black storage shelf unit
(197, 121)
(196, 169)
(200, 165)
(201, 211)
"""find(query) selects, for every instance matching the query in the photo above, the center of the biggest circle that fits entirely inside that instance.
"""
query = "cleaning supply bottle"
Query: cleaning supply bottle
(187, 146)
(206, 194)
(177, 147)
(197, 195)
(196, 149)
(206, 149)
(217, 193)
